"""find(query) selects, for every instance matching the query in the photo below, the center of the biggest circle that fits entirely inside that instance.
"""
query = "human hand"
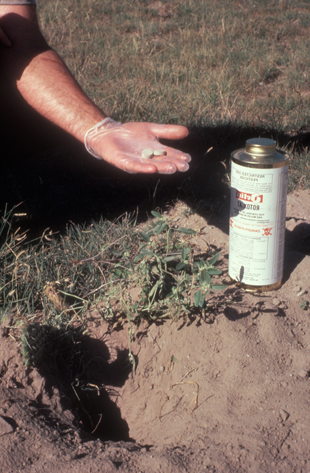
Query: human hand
(122, 145)
(4, 39)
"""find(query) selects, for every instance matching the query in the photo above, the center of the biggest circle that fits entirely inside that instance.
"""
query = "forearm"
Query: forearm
(41, 76)
(49, 88)
(47, 85)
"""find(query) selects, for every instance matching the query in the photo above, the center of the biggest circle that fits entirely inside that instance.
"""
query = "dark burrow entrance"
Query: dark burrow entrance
(80, 368)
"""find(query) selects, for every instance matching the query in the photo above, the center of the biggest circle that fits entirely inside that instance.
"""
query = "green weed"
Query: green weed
(136, 274)
(162, 278)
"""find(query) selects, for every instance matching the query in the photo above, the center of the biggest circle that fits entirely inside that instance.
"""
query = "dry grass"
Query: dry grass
(191, 62)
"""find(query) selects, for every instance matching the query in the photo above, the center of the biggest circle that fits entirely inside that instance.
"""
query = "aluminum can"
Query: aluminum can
(259, 175)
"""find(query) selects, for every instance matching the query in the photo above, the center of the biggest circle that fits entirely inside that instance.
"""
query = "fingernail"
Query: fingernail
(184, 167)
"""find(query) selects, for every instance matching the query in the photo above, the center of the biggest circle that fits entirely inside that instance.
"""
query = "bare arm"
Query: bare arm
(41, 76)
(47, 85)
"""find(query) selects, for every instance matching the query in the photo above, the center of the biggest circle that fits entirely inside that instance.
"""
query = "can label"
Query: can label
(257, 224)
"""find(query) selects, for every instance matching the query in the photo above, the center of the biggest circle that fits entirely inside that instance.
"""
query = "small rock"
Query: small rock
(5, 427)
(276, 301)
(291, 224)
(274, 451)
(70, 456)
(303, 374)
(283, 306)
(268, 307)
(284, 415)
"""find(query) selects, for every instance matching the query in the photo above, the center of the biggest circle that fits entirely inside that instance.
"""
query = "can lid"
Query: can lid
(260, 147)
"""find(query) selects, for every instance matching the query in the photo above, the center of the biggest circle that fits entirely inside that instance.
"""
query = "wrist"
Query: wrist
(81, 123)
(102, 127)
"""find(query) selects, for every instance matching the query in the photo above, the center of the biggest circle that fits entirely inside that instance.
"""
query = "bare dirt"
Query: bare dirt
(231, 394)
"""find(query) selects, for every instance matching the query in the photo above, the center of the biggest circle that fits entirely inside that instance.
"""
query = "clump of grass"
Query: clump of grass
(162, 278)
(150, 274)
(47, 277)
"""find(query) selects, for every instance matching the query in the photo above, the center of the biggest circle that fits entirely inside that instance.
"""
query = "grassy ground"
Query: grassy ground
(191, 62)
(229, 70)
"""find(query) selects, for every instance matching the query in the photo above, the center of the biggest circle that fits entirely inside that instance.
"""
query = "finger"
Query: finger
(164, 164)
(174, 160)
(176, 155)
(158, 166)
(135, 165)
(169, 132)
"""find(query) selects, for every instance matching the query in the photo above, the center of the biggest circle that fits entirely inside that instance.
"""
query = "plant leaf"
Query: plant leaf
(199, 299)
(218, 287)
(205, 276)
(304, 304)
(214, 271)
(156, 214)
(188, 231)
(159, 228)
(185, 252)
(144, 236)
(167, 259)
(214, 259)
(180, 265)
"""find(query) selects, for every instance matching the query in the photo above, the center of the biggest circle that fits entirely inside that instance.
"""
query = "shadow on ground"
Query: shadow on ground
(55, 181)
(79, 367)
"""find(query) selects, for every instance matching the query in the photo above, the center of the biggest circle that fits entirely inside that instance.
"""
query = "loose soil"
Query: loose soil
(228, 394)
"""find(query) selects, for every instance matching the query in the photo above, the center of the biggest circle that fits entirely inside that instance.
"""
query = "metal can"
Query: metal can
(259, 175)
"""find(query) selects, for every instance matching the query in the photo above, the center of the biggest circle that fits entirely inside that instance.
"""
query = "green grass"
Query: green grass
(128, 273)
(57, 278)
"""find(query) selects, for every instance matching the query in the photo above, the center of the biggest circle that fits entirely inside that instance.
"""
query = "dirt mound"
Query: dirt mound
(230, 394)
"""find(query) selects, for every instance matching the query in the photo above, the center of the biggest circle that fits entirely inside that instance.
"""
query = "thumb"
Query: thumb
(169, 132)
